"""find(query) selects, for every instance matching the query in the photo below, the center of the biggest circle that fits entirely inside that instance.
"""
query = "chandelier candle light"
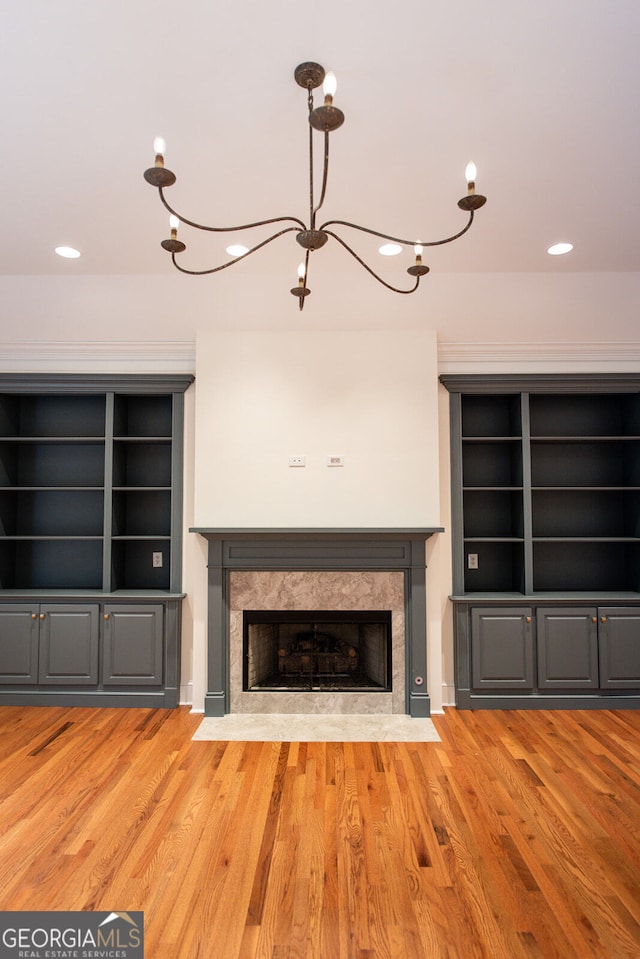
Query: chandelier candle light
(325, 119)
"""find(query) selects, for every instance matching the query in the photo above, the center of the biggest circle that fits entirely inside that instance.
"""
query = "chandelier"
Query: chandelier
(310, 236)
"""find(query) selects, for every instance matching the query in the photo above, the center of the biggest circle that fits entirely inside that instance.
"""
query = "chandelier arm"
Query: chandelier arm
(394, 289)
(395, 239)
(230, 229)
(216, 269)
(325, 175)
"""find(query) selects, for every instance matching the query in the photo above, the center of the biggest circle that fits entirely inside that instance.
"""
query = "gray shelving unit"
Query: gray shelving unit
(546, 539)
(90, 538)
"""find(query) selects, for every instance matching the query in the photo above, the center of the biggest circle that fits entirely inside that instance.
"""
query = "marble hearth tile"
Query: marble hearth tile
(306, 728)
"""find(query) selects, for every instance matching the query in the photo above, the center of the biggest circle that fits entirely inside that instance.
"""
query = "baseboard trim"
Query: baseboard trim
(448, 694)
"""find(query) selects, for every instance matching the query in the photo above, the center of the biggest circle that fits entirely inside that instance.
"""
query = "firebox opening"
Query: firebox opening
(317, 650)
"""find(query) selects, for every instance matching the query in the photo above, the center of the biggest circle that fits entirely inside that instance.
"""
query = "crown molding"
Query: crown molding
(532, 357)
(176, 356)
(98, 356)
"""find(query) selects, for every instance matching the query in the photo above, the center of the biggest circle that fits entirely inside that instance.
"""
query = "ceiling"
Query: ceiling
(542, 96)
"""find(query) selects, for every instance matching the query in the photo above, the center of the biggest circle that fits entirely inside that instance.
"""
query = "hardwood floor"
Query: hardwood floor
(516, 836)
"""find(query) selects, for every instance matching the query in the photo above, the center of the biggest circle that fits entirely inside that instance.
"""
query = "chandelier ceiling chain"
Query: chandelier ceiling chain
(325, 119)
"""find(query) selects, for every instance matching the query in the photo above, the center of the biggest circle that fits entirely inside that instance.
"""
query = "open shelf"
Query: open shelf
(142, 513)
(491, 513)
(586, 565)
(141, 464)
(593, 414)
(500, 566)
(491, 416)
(610, 463)
(51, 416)
(586, 512)
(142, 416)
(132, 564)
(51, 464)
(492, 464)
(43, 564)
(52, 513)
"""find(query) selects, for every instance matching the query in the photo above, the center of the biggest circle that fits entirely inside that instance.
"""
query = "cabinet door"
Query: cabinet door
(68, 644)
(502, 648)
(132, 649)
(619, 634)
(567, 648)
(18, 643)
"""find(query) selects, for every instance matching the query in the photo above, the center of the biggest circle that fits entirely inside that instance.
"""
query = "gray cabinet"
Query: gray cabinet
(68, 644)
(502, 648)
(19, 643)
(132, 648)
(90, 526)
(110, 647)
(619, 633)
(557, 656)
(567, 648)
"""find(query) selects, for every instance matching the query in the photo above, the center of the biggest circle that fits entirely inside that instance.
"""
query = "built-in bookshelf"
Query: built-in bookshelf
(546, 509)
(90, 494)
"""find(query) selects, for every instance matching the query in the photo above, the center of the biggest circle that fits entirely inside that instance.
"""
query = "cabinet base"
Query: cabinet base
(160, 699)
(466, 700)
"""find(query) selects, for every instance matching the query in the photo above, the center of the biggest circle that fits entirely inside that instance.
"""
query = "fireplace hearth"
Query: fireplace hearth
(317, 650)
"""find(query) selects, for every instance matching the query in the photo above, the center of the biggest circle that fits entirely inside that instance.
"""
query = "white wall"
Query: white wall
(263, 397)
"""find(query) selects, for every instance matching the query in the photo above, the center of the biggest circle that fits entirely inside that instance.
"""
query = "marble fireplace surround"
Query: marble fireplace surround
(319, 590)
(316, 569)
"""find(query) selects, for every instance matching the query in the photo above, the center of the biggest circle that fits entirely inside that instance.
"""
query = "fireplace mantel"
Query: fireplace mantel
(326, 549)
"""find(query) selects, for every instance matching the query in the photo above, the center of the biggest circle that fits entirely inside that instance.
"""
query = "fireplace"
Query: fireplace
(337, 571)
(317, 650)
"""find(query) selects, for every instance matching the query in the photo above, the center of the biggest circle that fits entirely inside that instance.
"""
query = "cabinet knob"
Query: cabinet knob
(594, 619)
(603, 619)
(528, 619)
(42, 615)
(34, 615)
(106, 615)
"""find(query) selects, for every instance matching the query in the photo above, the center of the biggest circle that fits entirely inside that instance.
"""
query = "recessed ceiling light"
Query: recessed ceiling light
(236, 249)
(68, 252)
(559, 249)
(390, 249)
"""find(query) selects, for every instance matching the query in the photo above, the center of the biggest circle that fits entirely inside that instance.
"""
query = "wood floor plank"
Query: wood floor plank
(515, 837)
